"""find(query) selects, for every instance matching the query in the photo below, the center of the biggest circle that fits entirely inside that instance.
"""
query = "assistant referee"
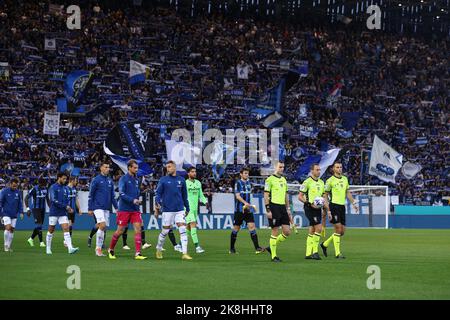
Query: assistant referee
(277, 209)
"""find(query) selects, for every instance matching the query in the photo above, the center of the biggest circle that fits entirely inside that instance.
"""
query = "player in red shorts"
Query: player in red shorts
(128, 211)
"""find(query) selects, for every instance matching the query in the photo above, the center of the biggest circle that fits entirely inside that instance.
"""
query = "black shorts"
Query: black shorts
(314, 216)
(337, 213)
(246, 216)
(279, 215)
(39, 216)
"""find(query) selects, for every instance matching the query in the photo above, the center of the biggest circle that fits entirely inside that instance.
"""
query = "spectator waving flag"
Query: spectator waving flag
(138, 72)
(384, 161)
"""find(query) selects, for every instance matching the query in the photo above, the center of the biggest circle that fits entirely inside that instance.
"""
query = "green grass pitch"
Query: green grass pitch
(414, 265)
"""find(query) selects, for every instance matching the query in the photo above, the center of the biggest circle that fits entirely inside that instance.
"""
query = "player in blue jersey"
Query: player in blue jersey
(37, 199)
(172, 200)
(59, 207)
(11, 206)
(244, 211)
(74, 203)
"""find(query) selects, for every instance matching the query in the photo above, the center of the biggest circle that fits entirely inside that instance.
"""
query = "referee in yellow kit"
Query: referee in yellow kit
(336, 188)
(277, 209)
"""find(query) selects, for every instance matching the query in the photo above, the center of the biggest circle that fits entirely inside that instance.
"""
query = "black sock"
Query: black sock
(125, 236)
(233, 238)
(143, 234)
(254, 237)
(70, 230)
(40, 234)
(172, 238)
(35, 233)
(93, 231)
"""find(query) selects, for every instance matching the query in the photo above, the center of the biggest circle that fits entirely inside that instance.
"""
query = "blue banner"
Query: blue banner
(76, 85)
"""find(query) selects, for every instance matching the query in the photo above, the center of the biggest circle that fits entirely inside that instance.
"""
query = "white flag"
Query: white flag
(182, 153)
(51, 123)
(50, 44)
(410, 169)
(138, 72)
(242, 71)
(384, 161)
(328, 159)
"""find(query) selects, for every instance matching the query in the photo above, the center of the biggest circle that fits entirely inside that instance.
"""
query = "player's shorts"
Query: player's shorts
(101, 216)
(192, 216)
(314, 216)
(9, 220)
(279, 215)
(337, 213)
(126, 217)
(53, 220)
(246, 216)
(169, 218)
(39, 216)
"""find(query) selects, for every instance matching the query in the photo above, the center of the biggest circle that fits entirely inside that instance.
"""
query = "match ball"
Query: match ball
(318, 202)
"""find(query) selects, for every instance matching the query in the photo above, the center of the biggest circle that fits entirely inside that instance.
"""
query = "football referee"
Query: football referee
(337, 188)
(277, 209)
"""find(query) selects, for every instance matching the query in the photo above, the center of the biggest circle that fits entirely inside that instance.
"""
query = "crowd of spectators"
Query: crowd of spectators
(392, 85)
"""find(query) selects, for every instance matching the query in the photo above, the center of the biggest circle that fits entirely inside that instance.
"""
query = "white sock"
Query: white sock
(183, 238)
(68, 240)
(162, 238)
(100, 238)
(49, 241)
(6, 238)
(11, 236)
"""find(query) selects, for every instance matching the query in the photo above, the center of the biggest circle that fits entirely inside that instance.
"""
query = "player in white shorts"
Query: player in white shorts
(172, 200)
(101, 200)
(11, 205)
(59, 207)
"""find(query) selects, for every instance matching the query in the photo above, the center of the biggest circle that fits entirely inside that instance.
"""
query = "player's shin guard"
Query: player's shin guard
(68, 240)
(183, 238)
(234, 234)
(337, 243)
(316, 240)
(327, 242)
(194, 236)
(138, 242)
(114, 240)
(172, 237)
(309, 245)
(162, 238)
(100, 238)
(254, 237)
(273, 246)
(49, 241)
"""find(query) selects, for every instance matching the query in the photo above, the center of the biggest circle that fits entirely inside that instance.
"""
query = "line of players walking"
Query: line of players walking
(177, 201)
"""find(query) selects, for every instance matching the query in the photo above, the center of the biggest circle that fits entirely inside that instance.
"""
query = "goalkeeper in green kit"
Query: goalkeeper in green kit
(195, 195)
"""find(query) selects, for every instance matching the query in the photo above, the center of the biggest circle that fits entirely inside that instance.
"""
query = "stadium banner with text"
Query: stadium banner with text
(222, 205)
(52, 123)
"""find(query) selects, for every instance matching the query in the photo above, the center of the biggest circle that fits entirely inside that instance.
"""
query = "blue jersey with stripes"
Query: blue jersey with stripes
(73, 193)
(244, 188)
(37, 196)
